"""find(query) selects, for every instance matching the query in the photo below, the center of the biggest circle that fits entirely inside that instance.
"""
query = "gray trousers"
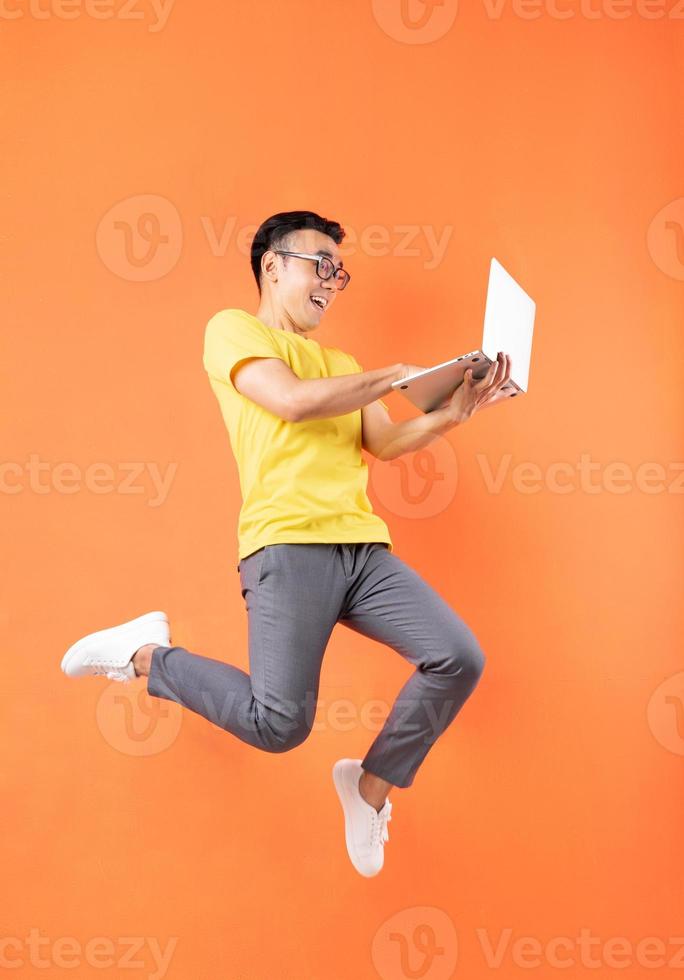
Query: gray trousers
(294, 595)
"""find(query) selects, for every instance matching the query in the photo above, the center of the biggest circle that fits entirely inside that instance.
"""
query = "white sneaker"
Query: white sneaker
(110, 651)
(365, 829)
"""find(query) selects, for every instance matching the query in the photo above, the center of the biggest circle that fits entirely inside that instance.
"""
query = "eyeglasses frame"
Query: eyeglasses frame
(317, 259)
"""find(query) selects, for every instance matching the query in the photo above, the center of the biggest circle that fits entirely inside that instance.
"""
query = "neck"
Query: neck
(277, 319)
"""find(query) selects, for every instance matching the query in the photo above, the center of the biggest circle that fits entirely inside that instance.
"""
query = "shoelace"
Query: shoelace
(105, 667)
(379, 831)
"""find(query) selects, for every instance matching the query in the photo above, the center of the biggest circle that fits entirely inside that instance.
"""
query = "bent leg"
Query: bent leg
(391, 603)
(289, 593)
(222, 694)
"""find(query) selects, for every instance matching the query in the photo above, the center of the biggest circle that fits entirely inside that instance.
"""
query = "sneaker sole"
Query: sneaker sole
(131, 626)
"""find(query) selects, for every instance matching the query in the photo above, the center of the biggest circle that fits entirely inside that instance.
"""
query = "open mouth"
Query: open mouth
(320, 302)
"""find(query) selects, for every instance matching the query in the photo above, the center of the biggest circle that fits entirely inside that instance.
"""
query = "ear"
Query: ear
(269, 265)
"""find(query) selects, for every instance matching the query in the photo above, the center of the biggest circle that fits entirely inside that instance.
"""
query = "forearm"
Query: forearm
(323, 398)
(406, 437)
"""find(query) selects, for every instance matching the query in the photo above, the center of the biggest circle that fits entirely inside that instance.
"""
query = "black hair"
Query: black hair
(275, 232)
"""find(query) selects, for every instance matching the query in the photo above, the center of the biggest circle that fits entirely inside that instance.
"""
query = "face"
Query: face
(292, 282)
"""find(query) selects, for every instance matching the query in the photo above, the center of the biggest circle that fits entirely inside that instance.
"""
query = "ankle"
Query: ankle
(370, 798)
(142, 659)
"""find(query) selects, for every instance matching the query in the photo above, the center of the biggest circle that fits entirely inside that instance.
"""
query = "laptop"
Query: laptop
(508, 325)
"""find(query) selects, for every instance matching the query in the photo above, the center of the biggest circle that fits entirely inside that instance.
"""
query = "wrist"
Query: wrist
(447, 417)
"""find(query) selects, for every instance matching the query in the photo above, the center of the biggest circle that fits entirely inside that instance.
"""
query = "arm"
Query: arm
(272, 384)
(269, 382)
(386, 439)
(322, 398)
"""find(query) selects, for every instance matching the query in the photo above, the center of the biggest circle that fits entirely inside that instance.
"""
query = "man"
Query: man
(311, 551)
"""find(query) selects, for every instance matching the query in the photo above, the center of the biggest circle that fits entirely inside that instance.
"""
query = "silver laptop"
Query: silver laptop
(508, 326)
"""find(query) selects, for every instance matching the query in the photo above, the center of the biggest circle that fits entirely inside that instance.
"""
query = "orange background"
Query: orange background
(553, 802)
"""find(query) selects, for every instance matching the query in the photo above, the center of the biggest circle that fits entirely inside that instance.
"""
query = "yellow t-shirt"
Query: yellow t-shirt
(300, 481)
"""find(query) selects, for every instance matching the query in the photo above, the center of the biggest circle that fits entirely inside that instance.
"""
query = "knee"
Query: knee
(287, 734)
(466, 661)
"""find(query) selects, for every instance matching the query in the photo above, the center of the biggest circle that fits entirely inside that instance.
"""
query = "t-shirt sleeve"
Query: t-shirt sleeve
(359, 370)
(230, 339)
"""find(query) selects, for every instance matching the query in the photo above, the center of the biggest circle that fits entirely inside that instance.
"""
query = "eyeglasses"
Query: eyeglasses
(325, 267)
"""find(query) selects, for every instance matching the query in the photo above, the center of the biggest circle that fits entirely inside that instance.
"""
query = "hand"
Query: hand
(472, 395)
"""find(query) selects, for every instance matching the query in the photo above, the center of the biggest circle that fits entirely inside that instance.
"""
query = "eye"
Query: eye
(325, 268)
